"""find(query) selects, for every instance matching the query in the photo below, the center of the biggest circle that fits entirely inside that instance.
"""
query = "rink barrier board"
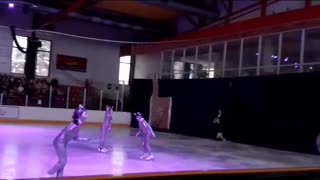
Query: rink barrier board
(52, 116)
(272, 173)
(53, 123)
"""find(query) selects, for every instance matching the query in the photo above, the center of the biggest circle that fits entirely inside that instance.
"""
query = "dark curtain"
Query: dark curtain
(278, 112)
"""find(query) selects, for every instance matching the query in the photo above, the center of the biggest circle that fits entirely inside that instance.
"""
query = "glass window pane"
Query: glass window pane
(290, 53)
(250, 52)
(203, 66)
(191, 53)
(203, 53)
(289, 69)
(178, 61)
(46, 45)
(231, 73)
(248, 72)
(167, 65)
(125, 59)
(178, 54)
(18, 60)
(124, 72)
(233, 54)
(178, 66)
(269, 51)
(268, 70)
(43, 63)
(23, 41)
(311, 68)
(312, 44)
(217, 59)
(203, 49)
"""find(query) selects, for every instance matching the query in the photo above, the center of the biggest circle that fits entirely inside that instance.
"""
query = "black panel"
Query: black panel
(140, 92)
(278, 112)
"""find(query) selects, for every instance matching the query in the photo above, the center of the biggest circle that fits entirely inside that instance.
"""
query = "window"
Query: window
(18, 58)
(124, 69)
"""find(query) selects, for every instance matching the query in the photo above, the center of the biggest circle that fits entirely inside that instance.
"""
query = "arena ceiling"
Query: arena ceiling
(152, 16)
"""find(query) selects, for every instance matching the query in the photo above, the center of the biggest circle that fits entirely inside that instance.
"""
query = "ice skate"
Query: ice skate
(103, 150)
(149, 158)
(220, 137)
(143, 156)
(59, 173)
(52, 171)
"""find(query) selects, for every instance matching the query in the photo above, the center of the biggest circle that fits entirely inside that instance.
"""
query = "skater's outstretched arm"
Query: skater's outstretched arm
(138, 133)
(151, 130)
(76, 136)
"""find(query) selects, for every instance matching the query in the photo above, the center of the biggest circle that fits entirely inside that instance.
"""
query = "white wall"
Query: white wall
(103, 58)
(55, 114)
(102, 64)
(147, 64)
(102, 61)
(5, 51)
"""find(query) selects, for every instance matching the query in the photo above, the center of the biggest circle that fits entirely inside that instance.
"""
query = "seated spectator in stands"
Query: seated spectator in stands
(10, 84)
(20, 88)
(38, 86)
(44, 87)
(54, 83)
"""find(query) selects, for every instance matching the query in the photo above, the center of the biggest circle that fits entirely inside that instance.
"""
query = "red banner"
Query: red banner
(71, 63)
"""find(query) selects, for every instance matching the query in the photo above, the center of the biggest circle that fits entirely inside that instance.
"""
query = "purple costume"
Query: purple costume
(69, 133)
(146, 133)
(106, 126)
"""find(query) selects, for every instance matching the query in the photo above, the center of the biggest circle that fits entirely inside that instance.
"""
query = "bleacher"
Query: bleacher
(41, 93)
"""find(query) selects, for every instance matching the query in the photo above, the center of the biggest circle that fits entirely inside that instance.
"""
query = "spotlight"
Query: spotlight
(11, 5)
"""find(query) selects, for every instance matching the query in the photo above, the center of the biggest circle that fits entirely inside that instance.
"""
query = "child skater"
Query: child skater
(61, 141)
(146, 133)
(106, 126)
(219, 128)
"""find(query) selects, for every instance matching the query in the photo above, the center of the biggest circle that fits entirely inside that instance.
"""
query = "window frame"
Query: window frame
(50, 57)
(126, 82)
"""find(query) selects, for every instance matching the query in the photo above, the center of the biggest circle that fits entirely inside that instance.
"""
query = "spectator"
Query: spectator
(20, 88)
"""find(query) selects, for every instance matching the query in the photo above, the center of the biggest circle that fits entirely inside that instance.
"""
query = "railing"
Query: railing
(203, 74)
(69, 97)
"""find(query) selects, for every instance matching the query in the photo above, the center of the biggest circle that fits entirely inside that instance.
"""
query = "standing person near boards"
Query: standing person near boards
(218, 126)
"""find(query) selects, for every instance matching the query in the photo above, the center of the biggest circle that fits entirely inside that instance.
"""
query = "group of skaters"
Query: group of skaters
(71, 132)
(79, 117)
